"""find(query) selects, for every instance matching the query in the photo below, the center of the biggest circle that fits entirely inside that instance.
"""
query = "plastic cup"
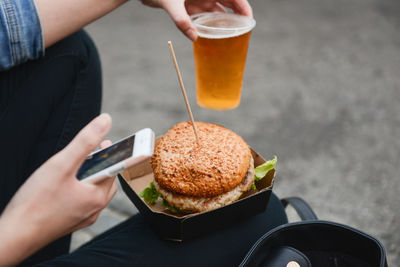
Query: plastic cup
(220, 53)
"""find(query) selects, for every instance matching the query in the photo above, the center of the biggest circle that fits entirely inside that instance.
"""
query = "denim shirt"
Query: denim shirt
(21, 35)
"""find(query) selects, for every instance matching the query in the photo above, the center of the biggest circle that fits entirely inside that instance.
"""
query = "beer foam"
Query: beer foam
(222, 25)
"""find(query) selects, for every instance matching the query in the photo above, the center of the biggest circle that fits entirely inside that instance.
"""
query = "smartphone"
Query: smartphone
(123, 154)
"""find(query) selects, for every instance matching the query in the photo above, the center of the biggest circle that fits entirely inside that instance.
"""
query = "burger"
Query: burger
(191, 176)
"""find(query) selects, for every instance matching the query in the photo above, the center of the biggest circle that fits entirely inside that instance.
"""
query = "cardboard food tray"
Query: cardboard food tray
(183, 227)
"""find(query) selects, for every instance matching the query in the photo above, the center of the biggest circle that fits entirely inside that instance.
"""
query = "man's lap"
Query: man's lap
(134, 243)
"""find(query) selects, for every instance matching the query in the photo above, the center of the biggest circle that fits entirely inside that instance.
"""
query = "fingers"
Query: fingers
(219, 8)
(84, 143)
(107, 185)
(112, 192)
(87, 222)
(179, 11)
(178, 14)
(109, 190)
(241, 7)
(203, 6)
(105, 191)
(105, 144)
(100, 195)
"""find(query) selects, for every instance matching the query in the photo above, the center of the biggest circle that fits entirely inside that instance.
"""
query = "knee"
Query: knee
(80, 47)
(88, 53)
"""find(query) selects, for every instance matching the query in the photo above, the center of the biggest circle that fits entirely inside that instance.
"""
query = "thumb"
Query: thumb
(179, 15)
(85, 142)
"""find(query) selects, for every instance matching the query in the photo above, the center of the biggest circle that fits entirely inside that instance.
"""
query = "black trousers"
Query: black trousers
(43, 104)
(133, 243)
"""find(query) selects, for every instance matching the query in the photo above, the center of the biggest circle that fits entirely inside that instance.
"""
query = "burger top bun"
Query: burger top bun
(214, 166)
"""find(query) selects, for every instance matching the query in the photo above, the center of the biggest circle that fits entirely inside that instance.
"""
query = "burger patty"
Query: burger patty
(214, 166)
(201, 204)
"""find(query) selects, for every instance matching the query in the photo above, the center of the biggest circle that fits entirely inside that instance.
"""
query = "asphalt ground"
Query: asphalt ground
(321, 91)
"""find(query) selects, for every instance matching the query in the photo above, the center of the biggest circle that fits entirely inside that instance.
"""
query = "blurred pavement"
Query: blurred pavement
(321, 91)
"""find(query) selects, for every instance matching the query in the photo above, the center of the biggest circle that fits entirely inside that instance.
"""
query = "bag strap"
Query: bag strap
(302, 208)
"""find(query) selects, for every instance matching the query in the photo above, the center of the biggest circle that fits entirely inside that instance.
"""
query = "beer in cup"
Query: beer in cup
(220, 55)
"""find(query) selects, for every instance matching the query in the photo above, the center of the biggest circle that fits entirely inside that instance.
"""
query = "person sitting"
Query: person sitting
(50, 88)
(53, 202)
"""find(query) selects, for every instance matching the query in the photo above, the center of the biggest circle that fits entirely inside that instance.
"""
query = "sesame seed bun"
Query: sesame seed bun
(217, 165)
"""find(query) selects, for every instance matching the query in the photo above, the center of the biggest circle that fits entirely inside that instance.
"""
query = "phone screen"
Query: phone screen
(107, 157)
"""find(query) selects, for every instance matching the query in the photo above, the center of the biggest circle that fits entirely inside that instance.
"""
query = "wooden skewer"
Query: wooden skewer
(171, 49)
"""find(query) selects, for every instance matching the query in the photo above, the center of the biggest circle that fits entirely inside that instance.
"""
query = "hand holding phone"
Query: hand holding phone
(125, 153)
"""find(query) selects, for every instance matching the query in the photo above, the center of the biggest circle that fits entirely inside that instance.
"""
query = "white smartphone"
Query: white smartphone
(123, 154)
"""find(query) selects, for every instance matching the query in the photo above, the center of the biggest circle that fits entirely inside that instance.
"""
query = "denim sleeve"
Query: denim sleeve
(21, 35)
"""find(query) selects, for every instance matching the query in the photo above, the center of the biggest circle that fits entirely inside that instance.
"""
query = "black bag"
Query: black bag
(312, 242)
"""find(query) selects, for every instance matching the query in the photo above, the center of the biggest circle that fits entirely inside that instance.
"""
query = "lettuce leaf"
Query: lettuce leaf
(263, 169)
(171, 208)
(253, 187)
(150, 194)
